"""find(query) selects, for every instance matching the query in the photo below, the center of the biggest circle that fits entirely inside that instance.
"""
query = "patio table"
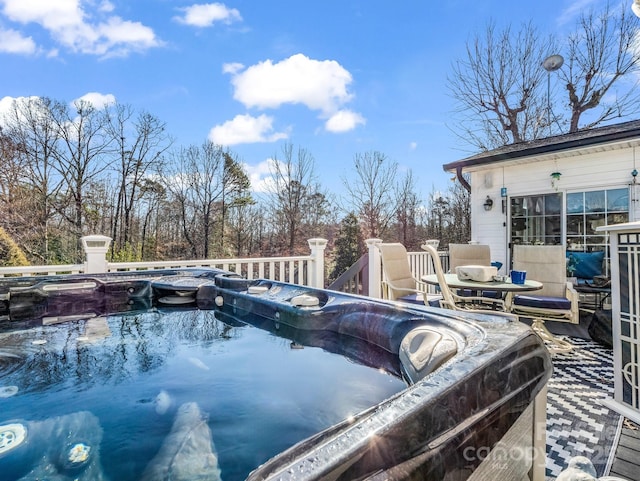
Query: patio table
(555, 344)
(453, 281)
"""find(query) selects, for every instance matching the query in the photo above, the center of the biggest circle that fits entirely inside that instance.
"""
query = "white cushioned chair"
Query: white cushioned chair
(474, 255)
(398, 283)
(449, 300)
(468, 255)
(556, 301)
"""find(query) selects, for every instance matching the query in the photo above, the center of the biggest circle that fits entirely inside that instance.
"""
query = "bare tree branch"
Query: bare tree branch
(601, 52)
(498, 86)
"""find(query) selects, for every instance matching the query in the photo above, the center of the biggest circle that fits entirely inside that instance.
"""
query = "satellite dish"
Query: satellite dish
(553, 63)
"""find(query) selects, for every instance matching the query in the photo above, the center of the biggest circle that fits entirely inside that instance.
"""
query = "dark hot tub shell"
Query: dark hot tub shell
(475, 381)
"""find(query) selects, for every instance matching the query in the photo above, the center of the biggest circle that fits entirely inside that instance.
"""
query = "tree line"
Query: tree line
(70, 170)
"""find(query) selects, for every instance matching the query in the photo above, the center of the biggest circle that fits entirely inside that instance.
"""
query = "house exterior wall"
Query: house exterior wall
(609, 167)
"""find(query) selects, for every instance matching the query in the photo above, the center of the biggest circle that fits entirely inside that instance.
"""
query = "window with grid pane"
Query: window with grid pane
(536, 219)
(586, 211)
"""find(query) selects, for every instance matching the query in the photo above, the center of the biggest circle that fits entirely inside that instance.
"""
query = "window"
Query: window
(586, 211)
(536, 219)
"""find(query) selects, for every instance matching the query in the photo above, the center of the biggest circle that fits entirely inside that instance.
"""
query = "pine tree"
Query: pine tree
(349, 245)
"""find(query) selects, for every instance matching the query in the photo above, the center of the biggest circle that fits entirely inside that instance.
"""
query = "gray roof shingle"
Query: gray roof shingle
(556, 143)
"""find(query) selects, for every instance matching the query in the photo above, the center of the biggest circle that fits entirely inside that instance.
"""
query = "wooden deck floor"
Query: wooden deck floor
(627, 458)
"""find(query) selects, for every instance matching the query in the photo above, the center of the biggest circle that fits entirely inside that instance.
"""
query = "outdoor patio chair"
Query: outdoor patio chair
(556, 301)
(474, 255)
(398, 283)
(469, 255)
(452, 301)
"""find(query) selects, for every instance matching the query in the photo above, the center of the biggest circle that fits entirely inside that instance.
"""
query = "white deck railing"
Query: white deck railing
(305, 270)
(285, 269)
(51, 270)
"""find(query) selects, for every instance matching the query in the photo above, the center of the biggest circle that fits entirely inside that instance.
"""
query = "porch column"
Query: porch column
(375, 271)
(95, 249)
(316, 268)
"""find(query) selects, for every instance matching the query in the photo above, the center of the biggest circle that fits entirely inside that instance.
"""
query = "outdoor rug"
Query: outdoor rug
(577, 424)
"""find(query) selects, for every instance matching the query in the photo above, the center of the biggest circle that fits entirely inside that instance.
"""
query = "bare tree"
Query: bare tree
(141, 143)
(81, 157)
(600, 53)
(459, 207)
(196, 182)
(153, 193)
(30, 125)
(407, 206)
(370, 195)
(498, 87)
(448, 218)
(235, 194)
(293, 186)
(245, 222)
(13, 198)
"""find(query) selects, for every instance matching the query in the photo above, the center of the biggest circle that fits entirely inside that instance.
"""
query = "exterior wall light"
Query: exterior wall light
(555, 177)
(488, 203)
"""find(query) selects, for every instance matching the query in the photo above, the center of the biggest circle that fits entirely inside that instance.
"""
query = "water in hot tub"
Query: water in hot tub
(172, 395)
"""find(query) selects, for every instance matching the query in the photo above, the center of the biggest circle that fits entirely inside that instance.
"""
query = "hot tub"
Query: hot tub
(432, 394)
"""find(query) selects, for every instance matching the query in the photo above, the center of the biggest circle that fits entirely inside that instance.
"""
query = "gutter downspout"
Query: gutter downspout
(461, 179)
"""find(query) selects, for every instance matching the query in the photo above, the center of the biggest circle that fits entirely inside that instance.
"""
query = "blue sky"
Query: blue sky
(336, 77)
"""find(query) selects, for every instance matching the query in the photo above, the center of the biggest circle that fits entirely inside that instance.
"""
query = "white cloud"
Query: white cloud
(232, 68)
(245, 129)
(51, 15)
(260, 176)
(12, 41)
(413, 146)
(98, 100)
(205, 15)
(69, 25)
(344, 121)
(320, 85)
(106, 6)
(573, 11)
(7, 104)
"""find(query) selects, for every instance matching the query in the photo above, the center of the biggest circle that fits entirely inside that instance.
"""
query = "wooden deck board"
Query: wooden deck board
(629, 442)
(626, 463)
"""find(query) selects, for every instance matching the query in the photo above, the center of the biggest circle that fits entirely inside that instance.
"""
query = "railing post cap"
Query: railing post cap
(95, 241)
(317, 241)
(373, 242)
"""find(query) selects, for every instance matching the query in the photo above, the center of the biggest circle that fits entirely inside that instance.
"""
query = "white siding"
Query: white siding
(584, 171)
